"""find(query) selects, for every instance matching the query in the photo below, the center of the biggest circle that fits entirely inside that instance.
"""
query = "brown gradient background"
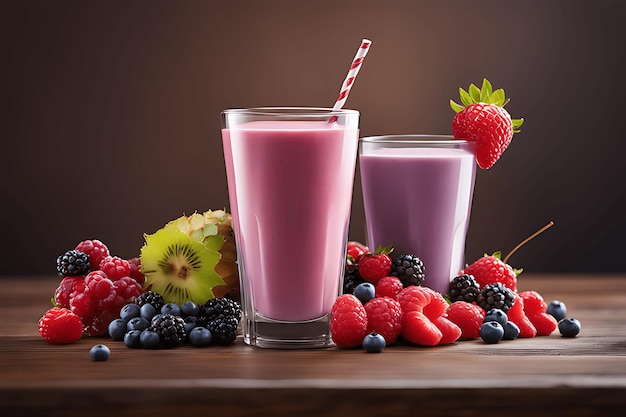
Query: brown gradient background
(111, 111)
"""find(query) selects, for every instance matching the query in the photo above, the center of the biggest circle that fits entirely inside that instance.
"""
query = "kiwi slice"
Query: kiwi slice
(179, 267)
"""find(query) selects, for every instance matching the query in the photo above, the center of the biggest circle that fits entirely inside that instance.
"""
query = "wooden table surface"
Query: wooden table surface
(579, 376)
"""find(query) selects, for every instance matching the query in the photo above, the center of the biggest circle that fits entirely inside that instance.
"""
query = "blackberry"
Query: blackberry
(409, 269)
(223, 329)
(73, 263)
(217, 308)
(351, 280)
(495, 295)
(152, 298)
(171, 329)
(464, 288)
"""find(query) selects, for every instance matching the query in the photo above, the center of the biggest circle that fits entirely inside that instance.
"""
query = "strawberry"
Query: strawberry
(348, 321)
(384, 316)
(469, 317)
(374, 266)
(490, 269)
(60, 326)
(422, 299)
(482, 119)
(516, 315)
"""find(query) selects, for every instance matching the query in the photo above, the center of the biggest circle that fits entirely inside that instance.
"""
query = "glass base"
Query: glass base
(263, 332)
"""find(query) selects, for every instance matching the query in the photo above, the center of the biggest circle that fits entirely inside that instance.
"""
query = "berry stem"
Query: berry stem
(528, 239)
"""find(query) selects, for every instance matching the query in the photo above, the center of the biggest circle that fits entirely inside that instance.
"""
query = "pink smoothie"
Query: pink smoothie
(290, 183)
(418, 200)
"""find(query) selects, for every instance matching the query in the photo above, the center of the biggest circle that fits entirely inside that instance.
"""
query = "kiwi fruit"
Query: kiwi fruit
(179, 267)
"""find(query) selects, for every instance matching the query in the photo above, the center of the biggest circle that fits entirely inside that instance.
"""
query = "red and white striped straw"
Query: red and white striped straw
(354, 70)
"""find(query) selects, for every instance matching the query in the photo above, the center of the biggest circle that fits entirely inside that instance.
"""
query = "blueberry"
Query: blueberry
(491, 332)
(131, 339)
(374, 343)
(190, 323)
(496, 314)
(99, 352)
(171, 308)
(511, 331)
(148, 311)
(200, 336)
(138, 323)
(149, 339)
(129, 311)
(365, 291)
(569, 327)
(189, 308)
(117, 329)
(557, 309)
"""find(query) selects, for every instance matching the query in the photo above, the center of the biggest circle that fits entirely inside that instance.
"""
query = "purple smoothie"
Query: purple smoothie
(418, 199)
(290, 187)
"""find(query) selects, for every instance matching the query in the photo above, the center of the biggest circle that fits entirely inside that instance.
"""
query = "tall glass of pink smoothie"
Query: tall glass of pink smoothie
(290, 176)
(417, 195)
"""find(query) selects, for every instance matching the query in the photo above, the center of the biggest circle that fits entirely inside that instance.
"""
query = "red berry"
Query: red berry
(95, 249)
(68, 287)
(388, 287)
(422, 299)
(535, 309)
(450, 332)
(373, 267)
(483, 119)
(135, 270)
(348, 321)
(490, 269)
(127, 288)
(60, 326)
(384, 316)
(488, 125)
(516, 315)
(356, 250)
(418, 329)
(469, 317)
(115, 267)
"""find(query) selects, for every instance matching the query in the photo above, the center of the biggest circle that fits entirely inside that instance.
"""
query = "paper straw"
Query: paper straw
(354, 70)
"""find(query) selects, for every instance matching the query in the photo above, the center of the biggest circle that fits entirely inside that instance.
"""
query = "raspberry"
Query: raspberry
(135, 270)
(373, 267)
(516, 315)
(95, 250)
(356, 250)
(450, 332)
(422, 299)
(127, 288)
(348, 321)
(535, 309)
(418, 329)
(469, 317)
(60, 326)
(384, 316)
(115, 267)
(409, 269)
(388, 287)
(68, 287)
(490, 269)
(533, 302)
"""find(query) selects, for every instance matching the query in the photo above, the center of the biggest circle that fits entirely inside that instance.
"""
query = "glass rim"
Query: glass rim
(415, 138)
(291, 111)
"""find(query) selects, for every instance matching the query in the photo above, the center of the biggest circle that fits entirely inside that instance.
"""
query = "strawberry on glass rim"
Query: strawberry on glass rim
(481, 118)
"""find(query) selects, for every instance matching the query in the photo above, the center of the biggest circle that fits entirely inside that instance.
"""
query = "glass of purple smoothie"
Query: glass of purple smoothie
(290, 177)
(417, 196)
